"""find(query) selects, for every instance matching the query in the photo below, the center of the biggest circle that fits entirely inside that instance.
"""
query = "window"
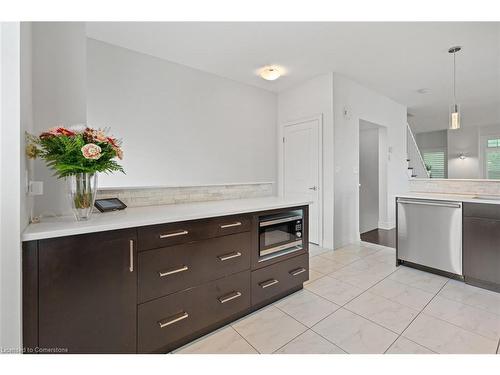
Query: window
(435, 163)
(492, 158)
(493, 143)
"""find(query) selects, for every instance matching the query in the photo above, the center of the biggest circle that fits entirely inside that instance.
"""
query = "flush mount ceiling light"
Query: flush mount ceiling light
(271, 73)
(454, 108)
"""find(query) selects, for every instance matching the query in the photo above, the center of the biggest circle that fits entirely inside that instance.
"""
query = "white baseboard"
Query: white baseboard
(387, 225)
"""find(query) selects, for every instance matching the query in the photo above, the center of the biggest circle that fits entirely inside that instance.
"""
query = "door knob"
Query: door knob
(313, 188)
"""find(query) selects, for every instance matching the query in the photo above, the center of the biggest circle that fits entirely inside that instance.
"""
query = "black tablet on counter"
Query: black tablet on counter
(109, 204)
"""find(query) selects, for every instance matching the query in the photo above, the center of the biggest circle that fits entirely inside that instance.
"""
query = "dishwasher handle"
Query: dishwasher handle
(429, 203)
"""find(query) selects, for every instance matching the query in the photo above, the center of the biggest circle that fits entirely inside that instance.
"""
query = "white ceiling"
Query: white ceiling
(395, 59)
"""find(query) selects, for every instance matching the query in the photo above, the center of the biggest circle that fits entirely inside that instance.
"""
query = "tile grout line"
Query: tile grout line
(288, 342)
(413, 341)
(378, 282)
(235, 330)
(350, 300)
(243, 317)
(421, 311)
(284, 312)
(460, 327)
(453, 324)
(470, 305)
(343, 307)
(418, 314)
(307, 328)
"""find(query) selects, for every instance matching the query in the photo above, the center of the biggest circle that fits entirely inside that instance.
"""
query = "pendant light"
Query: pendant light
(454, 108)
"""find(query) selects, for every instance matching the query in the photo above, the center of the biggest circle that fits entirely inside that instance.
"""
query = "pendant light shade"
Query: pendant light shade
(454, 116)
(454, 108)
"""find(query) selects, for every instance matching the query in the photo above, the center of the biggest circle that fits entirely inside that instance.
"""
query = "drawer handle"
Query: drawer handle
(174, 319)
(268, 283)
(175, 234)
(297, 271)
(229, 297)
(224, 226)
(171, 272)
(232, 255)
(131, 256)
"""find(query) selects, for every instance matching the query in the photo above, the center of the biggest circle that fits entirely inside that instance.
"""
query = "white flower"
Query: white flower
(91, 151)
(78, 128)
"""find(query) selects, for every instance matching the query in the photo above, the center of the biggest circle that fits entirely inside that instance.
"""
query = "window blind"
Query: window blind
(436, 161)
(493, 164)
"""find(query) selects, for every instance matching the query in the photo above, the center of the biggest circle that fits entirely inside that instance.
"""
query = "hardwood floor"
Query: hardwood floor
(380, 237)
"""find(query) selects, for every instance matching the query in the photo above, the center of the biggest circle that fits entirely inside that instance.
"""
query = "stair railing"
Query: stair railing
(411, 140)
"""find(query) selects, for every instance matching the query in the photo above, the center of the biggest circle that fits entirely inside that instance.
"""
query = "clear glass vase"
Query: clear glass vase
(82, 188)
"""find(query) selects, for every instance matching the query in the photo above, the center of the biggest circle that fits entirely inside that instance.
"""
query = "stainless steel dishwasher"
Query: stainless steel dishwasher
(430, 233)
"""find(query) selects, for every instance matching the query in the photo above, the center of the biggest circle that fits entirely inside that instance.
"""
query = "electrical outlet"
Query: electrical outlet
(36, 188)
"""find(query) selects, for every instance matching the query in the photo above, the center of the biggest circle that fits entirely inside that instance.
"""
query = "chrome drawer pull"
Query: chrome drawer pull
(175, 234)
(176, 318)
(131, 256)
(224, 226)
(229, 297)
(297, 271)
(171, 272)
(268, 283)
(224, 257)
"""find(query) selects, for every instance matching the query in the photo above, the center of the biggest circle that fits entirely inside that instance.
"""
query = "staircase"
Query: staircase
(416, 165)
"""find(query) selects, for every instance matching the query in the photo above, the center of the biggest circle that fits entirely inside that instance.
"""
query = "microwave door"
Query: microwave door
(278, 238)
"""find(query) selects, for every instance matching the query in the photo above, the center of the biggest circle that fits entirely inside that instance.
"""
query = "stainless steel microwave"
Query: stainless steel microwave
(280, 234)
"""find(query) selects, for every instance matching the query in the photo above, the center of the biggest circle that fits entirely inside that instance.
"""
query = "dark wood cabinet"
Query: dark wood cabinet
(149, 289)
(268, 282)
(156, 236)
(170, 269)
(87, 292)
(164, 322)
(481, 245)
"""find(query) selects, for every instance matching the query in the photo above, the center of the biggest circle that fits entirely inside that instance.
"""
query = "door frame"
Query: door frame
(281, 164)
(379, 180)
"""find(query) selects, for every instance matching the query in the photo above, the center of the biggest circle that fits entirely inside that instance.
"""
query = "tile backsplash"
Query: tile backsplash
(484, 187)
(137, 197)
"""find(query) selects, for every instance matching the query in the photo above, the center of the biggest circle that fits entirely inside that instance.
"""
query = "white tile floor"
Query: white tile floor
(357, 301)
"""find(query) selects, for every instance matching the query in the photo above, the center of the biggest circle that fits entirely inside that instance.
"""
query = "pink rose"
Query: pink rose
(91, 151)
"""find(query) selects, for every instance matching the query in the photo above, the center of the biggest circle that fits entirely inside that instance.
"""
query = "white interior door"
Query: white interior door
(301, 168)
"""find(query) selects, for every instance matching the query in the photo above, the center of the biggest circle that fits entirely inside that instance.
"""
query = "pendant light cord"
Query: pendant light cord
(454, 79)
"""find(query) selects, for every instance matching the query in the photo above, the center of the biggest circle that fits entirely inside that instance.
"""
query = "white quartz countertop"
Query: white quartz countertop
(141, 216)
(469, 198)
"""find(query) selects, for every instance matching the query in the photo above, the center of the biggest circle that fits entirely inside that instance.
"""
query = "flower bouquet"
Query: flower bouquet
(78, 154)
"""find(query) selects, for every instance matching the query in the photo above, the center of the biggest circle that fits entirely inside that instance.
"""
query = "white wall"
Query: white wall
(466, 141)
(368, 179)
(313, 98)
(364, 104)
(59, 95)
(180, 126)
(10, 187)
(432, 140)
(26, 117)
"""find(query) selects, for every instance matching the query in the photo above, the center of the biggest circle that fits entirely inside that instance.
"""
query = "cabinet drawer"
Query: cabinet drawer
(170, 269)
(482, 210)
(166, 320)
(157, 236)
(273, 280)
